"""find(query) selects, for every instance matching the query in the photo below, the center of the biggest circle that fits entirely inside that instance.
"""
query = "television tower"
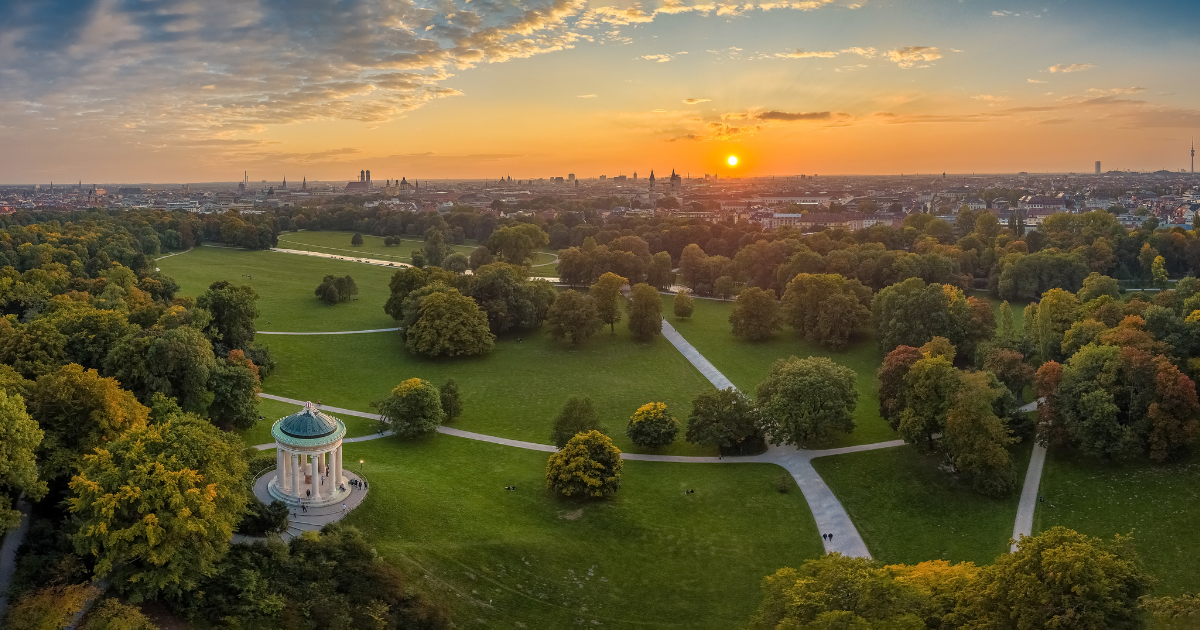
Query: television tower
(1193, 156)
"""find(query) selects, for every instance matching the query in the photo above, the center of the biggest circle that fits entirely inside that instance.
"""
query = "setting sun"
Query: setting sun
(732, 160)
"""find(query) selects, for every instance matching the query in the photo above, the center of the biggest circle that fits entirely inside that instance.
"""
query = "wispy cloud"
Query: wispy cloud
(1072, 67)
(911, 56)
(989, 98)
(1034, 81)
(658, 58)
(693, 101)
(586, 96)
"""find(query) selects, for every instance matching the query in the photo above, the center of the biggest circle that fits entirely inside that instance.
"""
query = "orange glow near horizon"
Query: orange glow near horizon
(732, 161)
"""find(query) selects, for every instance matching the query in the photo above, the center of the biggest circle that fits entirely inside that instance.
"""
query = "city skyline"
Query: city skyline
(477, 90)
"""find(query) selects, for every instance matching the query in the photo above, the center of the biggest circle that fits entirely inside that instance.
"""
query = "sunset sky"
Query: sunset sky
(200, 90)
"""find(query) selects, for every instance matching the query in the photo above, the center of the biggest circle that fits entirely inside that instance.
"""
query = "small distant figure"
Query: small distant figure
(343, 508)
(304, 508)
(686, 492)
(510, 488)
(831, 537)
(308, 493)
(825, 537)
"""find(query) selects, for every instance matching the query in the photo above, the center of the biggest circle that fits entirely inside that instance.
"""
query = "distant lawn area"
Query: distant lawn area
(285, 284)
(908, 511)
(273, 410)
(1157, 504)
(746, 363)
(373, 247)
(652, 557)
(513, 392)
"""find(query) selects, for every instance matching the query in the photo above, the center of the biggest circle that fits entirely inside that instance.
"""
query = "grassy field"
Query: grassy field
(651, 557)
(285, 285)
(746, 363)
(1157, 504)
(513, 392)
(273, 410)
(908, 511)
(373, 247)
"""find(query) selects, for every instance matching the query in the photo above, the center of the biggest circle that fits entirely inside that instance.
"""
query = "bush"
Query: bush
(413, 408)
(587, 466)
(261, 520)
(652, 426)
(111, 614)
(356, 240)
(577, 416)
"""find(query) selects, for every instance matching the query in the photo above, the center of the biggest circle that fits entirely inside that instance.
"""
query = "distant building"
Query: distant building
(363, 185)
(1097, 167)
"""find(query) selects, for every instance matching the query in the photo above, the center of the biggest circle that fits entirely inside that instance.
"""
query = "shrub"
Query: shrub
(683, 305)
(577, 416)
(652, 426)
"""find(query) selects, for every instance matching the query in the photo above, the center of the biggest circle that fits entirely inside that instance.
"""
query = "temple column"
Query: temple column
(296, 478)
(337, 466)
(321, 463)
(316, 480)
(279, 479)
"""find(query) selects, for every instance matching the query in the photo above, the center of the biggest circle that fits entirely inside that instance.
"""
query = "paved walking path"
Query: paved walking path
(8, 554)
(339, 332)
(300, 521)
(693, 355)
(1023, 526)
(358, 259)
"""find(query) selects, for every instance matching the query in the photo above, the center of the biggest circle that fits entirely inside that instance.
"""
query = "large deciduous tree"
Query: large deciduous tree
(724, 419)
(976, 439)
(756, 315)
(577, 416)
(413, 408)
(19, 440)
(573, 316)
(588, 466)
(652, 426)
(448, 323)
(827, 308)
(233, 311)
(805, 401)
(607, 294)
(891, 382)
(929, 388)
(645, 312)
(683, 305)
(156, 506)
(511, 300)
(911, 313)
(516, 244)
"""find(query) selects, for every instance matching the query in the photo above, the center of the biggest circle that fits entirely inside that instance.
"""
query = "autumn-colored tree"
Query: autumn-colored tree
(805, 401)
(587, 466)
(645, 312)
(683, 304)
(235, 386)
(652, 426)
(607, 295)
(1046, 383)
(1055, 314)
(1146, 258)
(891, 382)
(1010, 367)
(79, 410)
(573, 316)
(413, 408)
(1175, 413)
(1096, 285)
(111, 614)
(981, 326)
(939, 347)
(49, 607)
(756, 315)
(156, 506)
(929, 388)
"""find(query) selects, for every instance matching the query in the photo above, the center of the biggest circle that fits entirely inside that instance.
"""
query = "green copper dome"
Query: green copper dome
(308, 423)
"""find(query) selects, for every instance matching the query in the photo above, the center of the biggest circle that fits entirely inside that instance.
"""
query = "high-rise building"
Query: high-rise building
(1193, 156)
(1097, 167)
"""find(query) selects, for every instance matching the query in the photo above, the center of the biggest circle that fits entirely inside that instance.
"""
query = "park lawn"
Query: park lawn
(746, 363)
(373, 247)
(514, 392)
(908, 511)
(285, 285)
(1017, 307)
(1156, 503)
(650, 557)
(273, 410)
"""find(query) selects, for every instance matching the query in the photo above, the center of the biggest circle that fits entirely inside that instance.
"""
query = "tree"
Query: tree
(413, 408)
(333, 289)
(418, 258)
(51, 607)
(79, 411)
(435, 247)
(724, 419)
(658, 273)
(403, 282)
(645, 312)
(456, 262)
(911, 313)
(451, 399)
(156, 506)
(480, 256)
(235, 386)
(19, 440)
(449, 324)
(1146, 258)
(578, 415)
(607, 295)
(1005, 333)
(891, 382)
(826, 308)
(724, 287)
(511, 300)
(652, 426)
(977, 439)
(929, 388)
(683, 304)
(111, 614)
(356, 240)
(805, 401)
(588, 466)
(756, 315)
(1096, 285)
(1010, 367)
(1158, 272)
(573, 316)
(516, 244)
(233, 311)
(1060, 579)
(1056, 312)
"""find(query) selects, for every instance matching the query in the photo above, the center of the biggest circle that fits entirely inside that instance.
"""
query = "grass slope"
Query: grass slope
(1156, 503)
(908, 511)
(285, 285)
(514, 392)
(746, 363)
(651, 557)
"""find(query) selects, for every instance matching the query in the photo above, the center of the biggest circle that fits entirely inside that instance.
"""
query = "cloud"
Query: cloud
(988, 98)
(1034, 81)
(658, 58)
(800, 54)
(792, 116)
(693, 101)
(910, 56)
(1094, 92)
(1074, 67)
(586, 96)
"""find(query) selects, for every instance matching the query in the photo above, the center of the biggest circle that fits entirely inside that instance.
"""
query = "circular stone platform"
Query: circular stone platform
(329, 509)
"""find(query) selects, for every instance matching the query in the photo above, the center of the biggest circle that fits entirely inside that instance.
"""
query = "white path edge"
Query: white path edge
(339, 332)
(1023, 526)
